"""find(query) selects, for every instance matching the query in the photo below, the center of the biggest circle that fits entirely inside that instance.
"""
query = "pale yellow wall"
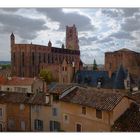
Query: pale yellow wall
(3, 119)
(89, 121)
(12, 88)
(120, 108)
(43, 114)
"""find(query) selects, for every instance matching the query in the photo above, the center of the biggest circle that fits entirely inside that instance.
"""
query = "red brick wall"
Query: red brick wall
(129, 59)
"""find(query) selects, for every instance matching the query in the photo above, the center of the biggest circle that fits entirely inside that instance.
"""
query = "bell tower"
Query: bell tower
(72, 38)
(12, 37)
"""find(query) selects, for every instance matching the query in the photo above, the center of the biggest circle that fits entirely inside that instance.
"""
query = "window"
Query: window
(11, 123)
(65, 68)
(55, 97)
(0, 127)
(54, 126)
(54, 111)
(84, 110)
(21, 107)
(22, 125)
(8, 89)
(0, 112)
(38, 125)
(78, 128)
(98, 114)
(22, 58)
(33, 58)
(66, 118)
(36, 108)
(110, 65)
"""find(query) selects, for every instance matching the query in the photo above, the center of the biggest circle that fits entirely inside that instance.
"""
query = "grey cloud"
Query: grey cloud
(10, 9)
(122, 35)
(111, 12)
(87, 41)
(107, 39)
(129, 12)
(26, 28)
(131, 24)
(56, 14)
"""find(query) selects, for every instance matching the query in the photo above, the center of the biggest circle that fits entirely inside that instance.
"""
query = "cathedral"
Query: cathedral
(28, 59)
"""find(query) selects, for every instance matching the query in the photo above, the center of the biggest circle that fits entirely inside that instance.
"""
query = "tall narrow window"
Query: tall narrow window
(48, 58)
(14, 58)
(110, 65)
(22, 58)
(98, 114)
(0, 112)
(84, 110)
(54, 111)
(22, 125)
(39, 57)
(38, 125)
(44, 58)
(33, 58)
(78, 127)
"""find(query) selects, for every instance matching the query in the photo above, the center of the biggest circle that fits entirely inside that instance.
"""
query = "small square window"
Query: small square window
(98, 114)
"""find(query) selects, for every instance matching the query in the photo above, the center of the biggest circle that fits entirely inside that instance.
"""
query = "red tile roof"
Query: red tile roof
(20, 81)
(129, 121)
(26, 98)
(99, 99)
(59, 88)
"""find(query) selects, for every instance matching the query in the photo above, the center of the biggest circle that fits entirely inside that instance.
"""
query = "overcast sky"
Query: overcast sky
(99, 29)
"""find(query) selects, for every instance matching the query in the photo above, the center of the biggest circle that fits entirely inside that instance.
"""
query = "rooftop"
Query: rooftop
(129, 121)
(59, 88)
(20, 81)
(25, 98)
(99, 99)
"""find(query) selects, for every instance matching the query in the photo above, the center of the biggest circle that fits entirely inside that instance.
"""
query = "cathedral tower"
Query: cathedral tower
(72, 38)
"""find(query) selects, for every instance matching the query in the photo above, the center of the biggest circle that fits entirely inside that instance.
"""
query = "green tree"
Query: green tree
(95, 65)
(46, 75)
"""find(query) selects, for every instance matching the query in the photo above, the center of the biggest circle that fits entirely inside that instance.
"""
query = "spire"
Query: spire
(12, 37)
(63, 46)
(49, 44)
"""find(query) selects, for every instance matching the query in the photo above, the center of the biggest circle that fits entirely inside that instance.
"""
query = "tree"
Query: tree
(46, 75)
(95, 65)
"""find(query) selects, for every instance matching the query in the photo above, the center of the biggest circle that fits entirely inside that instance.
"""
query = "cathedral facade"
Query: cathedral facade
(28, 59)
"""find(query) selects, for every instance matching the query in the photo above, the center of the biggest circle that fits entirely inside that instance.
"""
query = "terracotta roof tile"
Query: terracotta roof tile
(59, 88)
(26, 98)
(13, 97)
(20, 81)
(129, 121)
(98, 99)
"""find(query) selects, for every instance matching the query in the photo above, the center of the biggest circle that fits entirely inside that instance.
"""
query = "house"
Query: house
(22, 85)
(24, 112)
(40, 112)
(14, 111)
(80, 108)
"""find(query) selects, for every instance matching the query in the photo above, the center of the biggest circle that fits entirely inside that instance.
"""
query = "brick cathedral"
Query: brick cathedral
(28, 59)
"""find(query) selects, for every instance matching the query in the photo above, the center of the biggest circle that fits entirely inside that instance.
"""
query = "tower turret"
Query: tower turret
(49, 44)
(72, 38)
(12, 37)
